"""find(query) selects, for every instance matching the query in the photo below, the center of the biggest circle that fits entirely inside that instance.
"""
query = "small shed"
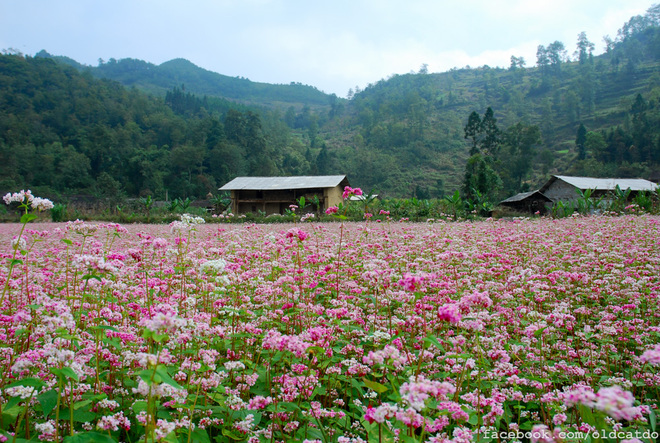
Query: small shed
(563, 188)
(273, 195)
(532, 202)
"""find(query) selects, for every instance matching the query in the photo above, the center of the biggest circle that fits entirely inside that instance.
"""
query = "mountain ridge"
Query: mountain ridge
(178, 72)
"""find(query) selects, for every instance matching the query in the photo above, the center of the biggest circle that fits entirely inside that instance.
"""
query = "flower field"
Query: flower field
(542, 330)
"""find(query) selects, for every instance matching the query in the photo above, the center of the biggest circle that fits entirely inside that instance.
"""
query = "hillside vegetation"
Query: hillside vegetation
(130, 128)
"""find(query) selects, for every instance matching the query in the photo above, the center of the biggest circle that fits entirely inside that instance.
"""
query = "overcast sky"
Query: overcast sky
(333, 45)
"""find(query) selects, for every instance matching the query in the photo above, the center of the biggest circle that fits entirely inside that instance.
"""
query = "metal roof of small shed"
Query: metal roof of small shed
(523, 195)
(603, 184)
(281, 183)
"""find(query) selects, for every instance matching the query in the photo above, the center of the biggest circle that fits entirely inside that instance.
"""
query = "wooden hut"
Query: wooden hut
(273, 195)
(531, 202)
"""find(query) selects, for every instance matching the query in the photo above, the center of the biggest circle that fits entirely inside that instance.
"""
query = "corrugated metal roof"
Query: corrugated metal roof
(604, 184)
(280, 183)
(523, 195)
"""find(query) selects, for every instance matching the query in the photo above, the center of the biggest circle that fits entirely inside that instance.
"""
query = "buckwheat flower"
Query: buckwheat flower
(419, 389)
(163, 428)
(46, 430)
(246, 424)
(332, 210)
(410, 417)
(617, 403)
(41, 204)
(108, 404)
(297, 233)
(231, 365)
(163, 323)
(461, 435)
(651, 356)
(383, 412)
(19, 197)
(410, 282)
(24, 392)
(559, 418)
(18, 243)
(542, 434)
(192, 220)
(213, 266)
(307, 216)
(450, 313)
(114, 422)
(580, 395)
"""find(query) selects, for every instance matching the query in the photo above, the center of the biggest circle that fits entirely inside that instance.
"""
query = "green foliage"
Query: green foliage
(58, 212)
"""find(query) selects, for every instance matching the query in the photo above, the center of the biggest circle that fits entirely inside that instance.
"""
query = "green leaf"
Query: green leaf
(139, 406)
(78, 416)
(161, 371)
(200, 435)
(66, 241)
(80, 404)
(433, 340)
(89, 437)
(652, 419)
(26, 218)
(356, 384)
(12, 402)
(234, 435)
(587, 415)
(375, 386)
(48, 401)
(29, 381)
(106, 327)
(65, 372)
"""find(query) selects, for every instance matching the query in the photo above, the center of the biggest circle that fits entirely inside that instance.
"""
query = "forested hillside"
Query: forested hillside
(66, 132)
(411, 128)
(131, 128)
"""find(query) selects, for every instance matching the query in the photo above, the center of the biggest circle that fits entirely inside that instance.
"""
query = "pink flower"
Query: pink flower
(416, 391)
(617, 403)
(580, 395)
(297, 233)
(651, 356)
(542, 434)
(331, 210)
(348, 191)
(450, 313)
(410, 282)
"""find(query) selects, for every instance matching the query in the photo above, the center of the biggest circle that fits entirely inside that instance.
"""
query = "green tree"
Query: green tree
(473, 131)
(519, 147)
(580, 141)
(480, 178)
(585, 49)
(491, 133)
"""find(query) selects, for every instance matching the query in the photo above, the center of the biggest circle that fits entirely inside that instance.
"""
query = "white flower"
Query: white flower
(18, 197)
(213, 266)
(42, 204)
(26, 197)
(24, 392)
